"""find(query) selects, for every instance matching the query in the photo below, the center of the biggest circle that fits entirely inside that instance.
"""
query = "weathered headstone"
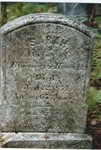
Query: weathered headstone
(45, 71)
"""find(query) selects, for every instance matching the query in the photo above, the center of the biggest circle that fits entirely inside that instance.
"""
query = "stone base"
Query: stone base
(46, 140)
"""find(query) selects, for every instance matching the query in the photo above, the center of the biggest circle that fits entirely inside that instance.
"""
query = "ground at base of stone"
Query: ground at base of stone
(46, 140)
(94, 126)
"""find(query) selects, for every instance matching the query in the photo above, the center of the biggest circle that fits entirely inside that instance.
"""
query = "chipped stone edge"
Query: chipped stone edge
(46, 18)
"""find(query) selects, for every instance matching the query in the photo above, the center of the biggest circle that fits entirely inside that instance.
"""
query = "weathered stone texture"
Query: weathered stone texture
(48, 140)
(45, 74)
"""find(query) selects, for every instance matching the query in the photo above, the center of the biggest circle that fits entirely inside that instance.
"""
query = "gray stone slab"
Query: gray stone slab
(45, 72)
(47, 140)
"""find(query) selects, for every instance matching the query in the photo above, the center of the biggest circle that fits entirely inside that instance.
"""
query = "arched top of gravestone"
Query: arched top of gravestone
(45, 18)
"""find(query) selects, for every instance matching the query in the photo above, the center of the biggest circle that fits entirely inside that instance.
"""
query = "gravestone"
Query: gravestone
(45, 72)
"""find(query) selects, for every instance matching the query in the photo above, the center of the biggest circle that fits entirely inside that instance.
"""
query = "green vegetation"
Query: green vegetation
(95, 88)
(94, 97)
(15, 10)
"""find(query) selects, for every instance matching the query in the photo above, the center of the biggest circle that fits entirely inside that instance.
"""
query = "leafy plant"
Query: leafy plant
(96, 66)
(18, 9)
(94, 100)
(94, 97)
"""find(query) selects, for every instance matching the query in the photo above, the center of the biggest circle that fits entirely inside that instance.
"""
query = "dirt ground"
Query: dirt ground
(94, 127)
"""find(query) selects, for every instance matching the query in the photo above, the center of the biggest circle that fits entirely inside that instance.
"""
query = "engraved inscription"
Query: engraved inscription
(46, 67)
(49, 65)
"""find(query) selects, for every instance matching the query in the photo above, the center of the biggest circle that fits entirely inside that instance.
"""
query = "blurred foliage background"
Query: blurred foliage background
(90, 14)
